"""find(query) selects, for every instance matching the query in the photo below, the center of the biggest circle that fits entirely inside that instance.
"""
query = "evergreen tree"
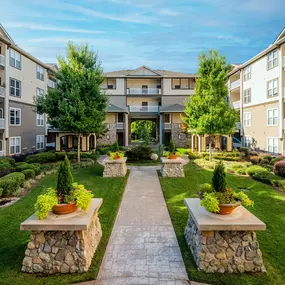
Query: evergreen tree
(208, 111)
(171, 147)
(145, 135)
(77, 105)
(219, 178)
(64, 178)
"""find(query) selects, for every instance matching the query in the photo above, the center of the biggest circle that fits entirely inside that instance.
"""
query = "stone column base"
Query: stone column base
(51, 252)
(224, 251)
(115, 168)
(172, 167)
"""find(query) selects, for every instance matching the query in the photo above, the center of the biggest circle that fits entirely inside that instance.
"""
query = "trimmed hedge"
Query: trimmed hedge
(1, 192)
(24, 165)
(6, 168)
(29, 173)
(11, 183)
(254, 169)
(41, 157)
(139, 153)
(264, 176)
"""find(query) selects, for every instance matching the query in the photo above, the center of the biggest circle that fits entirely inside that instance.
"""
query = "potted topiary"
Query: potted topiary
(66, 198)
(171, 149)
(220, 199)
(116, 155)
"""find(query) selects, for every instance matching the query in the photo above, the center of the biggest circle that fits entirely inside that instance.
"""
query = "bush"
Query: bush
(11, 182)
(60, 155)
(279, 168)
(183, 150)
(254, 169)
(193, 155)
(9, 160)
(1, 192)
(139, 153)
(219, 178)
(241, 171)
(264, 176)
(171, 146)
(279, 183)
(254, 159)
(276, 159)
(42, 157)
(265, 158)
(204, 155)
(6, 168)
(29, 173)
(245, 150)
(64, 179)
(115, 147)
(24, 165)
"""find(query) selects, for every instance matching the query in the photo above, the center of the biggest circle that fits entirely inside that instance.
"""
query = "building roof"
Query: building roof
(148, 72)
(115, 109)
(172, 108)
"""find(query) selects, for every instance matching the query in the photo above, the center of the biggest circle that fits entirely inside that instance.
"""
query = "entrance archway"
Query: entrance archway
(137, 126)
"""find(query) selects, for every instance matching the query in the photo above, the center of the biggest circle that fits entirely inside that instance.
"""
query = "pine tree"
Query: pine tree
(208, 111)
(64, 178)
(219, 178)
(171, 147)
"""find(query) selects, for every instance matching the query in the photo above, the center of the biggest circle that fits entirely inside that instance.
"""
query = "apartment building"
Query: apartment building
(22, 78)
(256, 89)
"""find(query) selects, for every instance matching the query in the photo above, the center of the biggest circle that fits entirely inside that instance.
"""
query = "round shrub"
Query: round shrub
(264, 176)
(11, 183)
(139, 153)
(6, 168)
(254, 159)
(41, 157)
(254, 169)
(265, 158)
(279, 168)
(29, 173)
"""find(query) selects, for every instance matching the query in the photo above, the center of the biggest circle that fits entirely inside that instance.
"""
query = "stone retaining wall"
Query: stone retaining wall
(172, 167)
(224, 251)
(115, 168)
(51, 252)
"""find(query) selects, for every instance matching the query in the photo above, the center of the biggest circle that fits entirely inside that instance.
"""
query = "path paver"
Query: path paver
(143, 248)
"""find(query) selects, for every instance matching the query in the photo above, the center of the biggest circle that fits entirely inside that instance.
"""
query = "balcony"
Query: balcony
(2, 91)
(148, 109)
(120, 126)
(236, 104)
(2, 61)
(144, 91)
(51, 83)
(167, 126)
(235, 84)
(2, 123)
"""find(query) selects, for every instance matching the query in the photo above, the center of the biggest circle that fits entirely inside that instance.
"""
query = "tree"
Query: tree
(145, 135)
(137, 127)
(209, 111)
(64, 179)
(77, 105)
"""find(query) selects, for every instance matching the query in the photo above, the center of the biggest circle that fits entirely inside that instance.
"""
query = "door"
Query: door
(144, 89)
(144, 106)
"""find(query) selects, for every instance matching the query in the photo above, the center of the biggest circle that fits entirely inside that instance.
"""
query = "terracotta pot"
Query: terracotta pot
(117, 157)
(227, 209)
(172, 156)
(62, 209)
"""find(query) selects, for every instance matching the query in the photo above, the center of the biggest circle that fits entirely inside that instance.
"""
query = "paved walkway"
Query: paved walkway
(143, 248)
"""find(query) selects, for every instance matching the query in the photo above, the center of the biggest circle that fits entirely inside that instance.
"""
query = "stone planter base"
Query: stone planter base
(63, 251)
(233, 250)
(115, 168)
(172, 167)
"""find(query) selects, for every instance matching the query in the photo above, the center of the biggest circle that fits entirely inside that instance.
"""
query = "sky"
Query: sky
(160, 34)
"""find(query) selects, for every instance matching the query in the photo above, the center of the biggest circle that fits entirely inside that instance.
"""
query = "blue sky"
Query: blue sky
(159, 34)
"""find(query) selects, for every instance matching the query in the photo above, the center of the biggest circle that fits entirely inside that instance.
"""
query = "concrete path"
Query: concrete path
(143, 248)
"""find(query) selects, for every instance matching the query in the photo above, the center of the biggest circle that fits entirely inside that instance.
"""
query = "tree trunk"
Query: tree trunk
(78, 148)
(210, 148)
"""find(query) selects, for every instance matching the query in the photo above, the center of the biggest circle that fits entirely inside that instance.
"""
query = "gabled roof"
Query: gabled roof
(5, 34)
(280, 36)
(143, 71)
(175, 108)
(115, 109)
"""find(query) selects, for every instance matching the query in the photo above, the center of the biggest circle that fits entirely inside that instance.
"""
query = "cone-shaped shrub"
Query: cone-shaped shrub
(171, 147)
(116, 146)
(219, 178)
(64, 179)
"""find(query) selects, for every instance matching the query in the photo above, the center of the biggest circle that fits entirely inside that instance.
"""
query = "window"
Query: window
(272, 88)
(40, 120)
(247, 73)
(183, 83)
(247, 119)
(272, 59)
(176, 84)
(40, 142)
(15, 145)
(15, 87)
(15, 117)
(247, 141)
(272, 117)
(272, 145)
(40, 72)
(109, 83)
(15, 59)
(247, 96)
(40, 92)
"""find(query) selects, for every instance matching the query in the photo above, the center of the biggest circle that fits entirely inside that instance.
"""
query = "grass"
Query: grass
(13, 242)
(269, 207)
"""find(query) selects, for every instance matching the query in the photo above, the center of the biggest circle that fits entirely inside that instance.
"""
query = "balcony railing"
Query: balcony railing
(147, 91)
(2, 91)
(167, 126)
(2, 60)
(236, 104)
(2, 123)
(120, 126)
(51, 84)
(152, 109)
(235, 84)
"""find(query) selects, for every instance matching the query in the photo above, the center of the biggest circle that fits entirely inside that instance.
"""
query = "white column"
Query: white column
(126, 129)
(192, 142)
(281, 95)
(199, 144)
(160, 128)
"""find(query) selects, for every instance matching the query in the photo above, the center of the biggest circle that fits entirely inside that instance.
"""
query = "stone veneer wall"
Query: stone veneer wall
(172, 170)
(51, 252)
(114, 169)
(112, 132)
(224, 251)
(184, 141)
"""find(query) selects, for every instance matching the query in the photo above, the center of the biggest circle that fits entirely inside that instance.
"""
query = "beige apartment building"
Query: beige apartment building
(256, 89)
(22, 78)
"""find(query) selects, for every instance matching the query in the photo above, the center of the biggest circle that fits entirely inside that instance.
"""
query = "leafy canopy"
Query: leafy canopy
(77, 105)
(208, 111)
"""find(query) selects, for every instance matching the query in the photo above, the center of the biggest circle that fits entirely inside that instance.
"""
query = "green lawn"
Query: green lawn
(269, 207)
(13, 242)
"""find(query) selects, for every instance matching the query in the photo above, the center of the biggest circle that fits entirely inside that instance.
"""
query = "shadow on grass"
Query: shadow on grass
(269, 207)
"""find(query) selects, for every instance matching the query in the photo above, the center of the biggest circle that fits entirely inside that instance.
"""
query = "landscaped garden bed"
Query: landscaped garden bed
(268, 207)
(13, 241)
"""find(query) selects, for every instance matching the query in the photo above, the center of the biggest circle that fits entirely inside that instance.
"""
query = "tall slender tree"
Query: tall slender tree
(208, 111)
(77, 105)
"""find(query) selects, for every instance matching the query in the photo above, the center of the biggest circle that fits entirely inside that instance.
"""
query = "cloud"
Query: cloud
(32, 26)
(167, 12)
